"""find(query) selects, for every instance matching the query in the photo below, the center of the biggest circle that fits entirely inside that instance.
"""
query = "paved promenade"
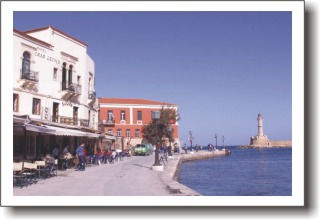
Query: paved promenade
(130, 177)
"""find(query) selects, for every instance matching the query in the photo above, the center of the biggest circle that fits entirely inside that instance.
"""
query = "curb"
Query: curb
(171, 170)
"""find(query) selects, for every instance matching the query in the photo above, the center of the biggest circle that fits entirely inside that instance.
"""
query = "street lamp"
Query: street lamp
(216, 137)
(169, 129)
(223, 140)
(190, 138)
(155, 117)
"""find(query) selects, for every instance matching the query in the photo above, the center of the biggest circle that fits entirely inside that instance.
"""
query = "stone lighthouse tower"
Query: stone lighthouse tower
(260, 125)
(260, 139)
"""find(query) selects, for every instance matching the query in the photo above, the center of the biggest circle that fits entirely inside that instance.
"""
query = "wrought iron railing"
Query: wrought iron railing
(73, 121)
(92, 95)
(30, 75)
(72, 87)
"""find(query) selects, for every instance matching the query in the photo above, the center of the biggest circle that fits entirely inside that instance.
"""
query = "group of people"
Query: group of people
(196, 147)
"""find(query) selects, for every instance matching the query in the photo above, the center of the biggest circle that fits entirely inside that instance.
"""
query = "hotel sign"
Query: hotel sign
(42, 53)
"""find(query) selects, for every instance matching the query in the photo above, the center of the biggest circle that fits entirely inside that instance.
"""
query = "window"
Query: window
(26, 64)
(118, 132)
(128, 133)
(139, 115)
(55, 73)
(110, 116)
(123, 115)
(36, 104)
(70, 75)
(64, 76)
(109, 130)
(137, 133)
(15, 102)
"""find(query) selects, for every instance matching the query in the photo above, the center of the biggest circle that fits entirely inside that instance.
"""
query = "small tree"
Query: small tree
(167, 116)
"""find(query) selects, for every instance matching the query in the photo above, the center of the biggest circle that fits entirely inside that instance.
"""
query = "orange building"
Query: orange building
(125, 117)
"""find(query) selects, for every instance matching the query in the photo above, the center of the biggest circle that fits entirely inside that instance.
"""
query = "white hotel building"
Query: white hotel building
(54, 101)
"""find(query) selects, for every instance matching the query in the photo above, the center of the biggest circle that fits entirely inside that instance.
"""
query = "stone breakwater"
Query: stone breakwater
(171, 171)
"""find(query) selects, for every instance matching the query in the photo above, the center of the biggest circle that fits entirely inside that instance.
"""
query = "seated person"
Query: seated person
(50, 162)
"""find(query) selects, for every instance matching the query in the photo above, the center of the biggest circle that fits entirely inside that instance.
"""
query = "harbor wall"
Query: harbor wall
(171, 172)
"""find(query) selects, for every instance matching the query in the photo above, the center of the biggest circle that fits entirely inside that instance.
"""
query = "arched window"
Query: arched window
(70, 75)
(64, 76)
(26, 64)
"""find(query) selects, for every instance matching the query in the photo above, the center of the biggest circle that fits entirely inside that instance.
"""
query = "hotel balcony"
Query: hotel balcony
(91, 98)
(71, 90)
(29, 80)
(108, 123)
(92, 95)
(73, 121)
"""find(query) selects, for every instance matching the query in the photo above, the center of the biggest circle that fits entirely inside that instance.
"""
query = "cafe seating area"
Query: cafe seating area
(26, 173)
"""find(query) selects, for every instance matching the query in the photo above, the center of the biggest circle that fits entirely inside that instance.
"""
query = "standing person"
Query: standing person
(80, 153)
(55, 152)
(185, 148)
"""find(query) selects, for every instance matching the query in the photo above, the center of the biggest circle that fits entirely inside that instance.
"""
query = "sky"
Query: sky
(220, 68)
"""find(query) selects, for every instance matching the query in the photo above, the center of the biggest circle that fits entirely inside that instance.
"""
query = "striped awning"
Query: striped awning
(59, 131)
(40, 129)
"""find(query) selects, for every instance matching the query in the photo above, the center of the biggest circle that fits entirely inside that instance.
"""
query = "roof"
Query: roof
(55, 29)
(32, 38)
(131, 101)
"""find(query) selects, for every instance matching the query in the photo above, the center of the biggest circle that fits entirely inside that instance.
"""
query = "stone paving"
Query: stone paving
(131, 177)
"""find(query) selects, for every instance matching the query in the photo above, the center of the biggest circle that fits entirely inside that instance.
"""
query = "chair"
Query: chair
(43, 172)
(18, 178)
(30, 171)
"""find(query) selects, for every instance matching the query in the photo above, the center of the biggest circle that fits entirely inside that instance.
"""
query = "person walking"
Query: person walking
(80, 153)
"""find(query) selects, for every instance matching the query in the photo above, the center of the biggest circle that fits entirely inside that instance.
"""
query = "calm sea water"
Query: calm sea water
(247, 172)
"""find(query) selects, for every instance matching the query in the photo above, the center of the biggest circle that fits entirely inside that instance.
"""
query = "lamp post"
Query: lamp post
(223, 140)
(216, 137)
(190, 139)
(169, 129)
(155, 117)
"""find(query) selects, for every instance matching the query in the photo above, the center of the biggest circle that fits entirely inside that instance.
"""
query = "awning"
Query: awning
(59, 131)
(41, 129)
(93, 135)
(66, 132)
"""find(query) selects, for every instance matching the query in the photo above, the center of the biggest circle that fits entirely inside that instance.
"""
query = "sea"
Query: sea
(246, 172)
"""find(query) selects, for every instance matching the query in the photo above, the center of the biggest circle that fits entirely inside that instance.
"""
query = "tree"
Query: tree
(167, 116)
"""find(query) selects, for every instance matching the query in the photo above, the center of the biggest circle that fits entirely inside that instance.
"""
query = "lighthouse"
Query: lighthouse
(260, 125)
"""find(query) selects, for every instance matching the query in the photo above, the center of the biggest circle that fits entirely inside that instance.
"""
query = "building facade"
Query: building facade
(125, 117)
(54, 101)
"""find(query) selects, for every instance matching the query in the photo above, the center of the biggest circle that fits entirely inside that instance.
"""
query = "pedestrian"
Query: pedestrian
(80, 153)
(185, 148)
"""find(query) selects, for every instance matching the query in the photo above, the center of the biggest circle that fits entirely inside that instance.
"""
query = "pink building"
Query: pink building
(125, 117)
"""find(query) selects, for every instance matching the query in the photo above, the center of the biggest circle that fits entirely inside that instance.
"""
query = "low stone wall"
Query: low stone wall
(172, 169)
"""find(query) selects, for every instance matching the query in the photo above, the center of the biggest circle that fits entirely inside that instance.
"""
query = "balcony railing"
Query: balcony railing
(72, 121)
(30, 75)
(92, 95)
(72, 87)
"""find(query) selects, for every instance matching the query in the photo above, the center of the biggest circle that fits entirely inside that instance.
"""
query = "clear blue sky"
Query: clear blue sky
(221, 68)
